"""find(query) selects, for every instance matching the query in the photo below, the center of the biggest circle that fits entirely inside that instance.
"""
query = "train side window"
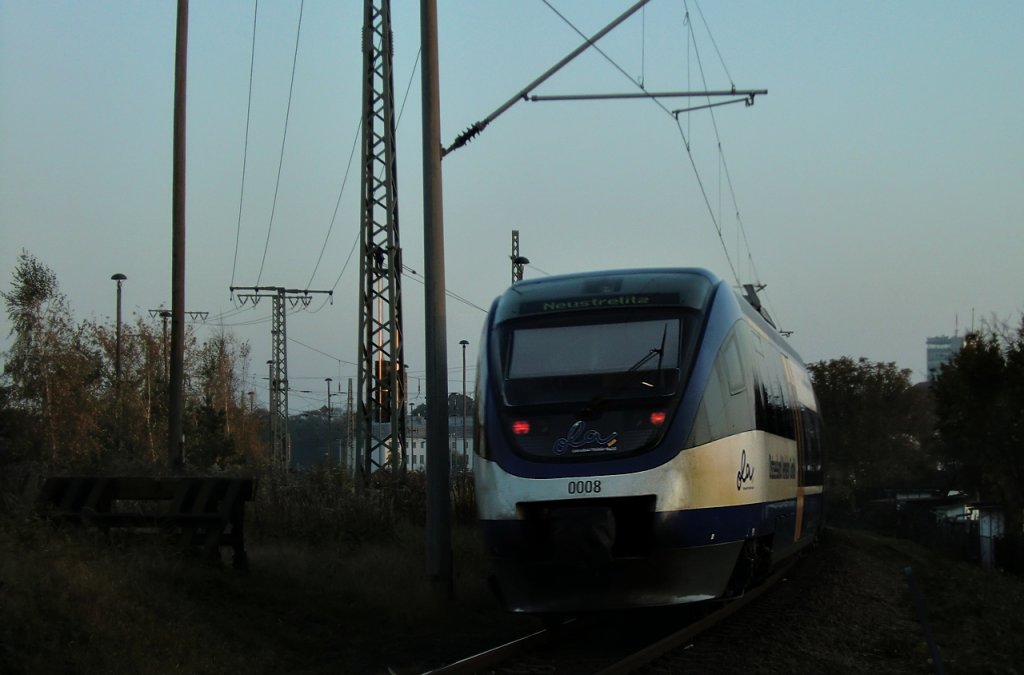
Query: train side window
(758, 343)
(726, 406)
(812, 442)
(779, 418)
(733, 367)
(789, 406)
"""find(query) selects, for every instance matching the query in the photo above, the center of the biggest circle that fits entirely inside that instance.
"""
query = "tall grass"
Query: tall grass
(326, 505)
(337, 583)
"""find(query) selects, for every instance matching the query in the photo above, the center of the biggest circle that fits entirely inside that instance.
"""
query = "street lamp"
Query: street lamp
(119, 278)
(165, 315)
(465, 454)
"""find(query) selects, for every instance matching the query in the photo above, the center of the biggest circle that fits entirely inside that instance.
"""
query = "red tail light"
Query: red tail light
(520, 427)
(657, 418)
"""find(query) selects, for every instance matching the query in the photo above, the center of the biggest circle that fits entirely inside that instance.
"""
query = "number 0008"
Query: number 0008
(584, 487)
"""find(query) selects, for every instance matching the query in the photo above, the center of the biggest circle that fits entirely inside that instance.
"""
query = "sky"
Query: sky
(877, 189)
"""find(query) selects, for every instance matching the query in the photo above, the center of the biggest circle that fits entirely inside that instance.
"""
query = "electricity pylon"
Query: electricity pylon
(380, 436)
(280, 443)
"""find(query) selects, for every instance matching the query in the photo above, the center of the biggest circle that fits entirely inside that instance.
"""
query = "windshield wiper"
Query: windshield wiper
(594, 404)
(660, 351)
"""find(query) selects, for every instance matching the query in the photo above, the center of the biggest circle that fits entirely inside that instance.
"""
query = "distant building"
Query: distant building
(460, 452)
(941, 349)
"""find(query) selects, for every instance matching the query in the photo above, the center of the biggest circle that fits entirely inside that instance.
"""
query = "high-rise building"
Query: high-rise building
(941, 349)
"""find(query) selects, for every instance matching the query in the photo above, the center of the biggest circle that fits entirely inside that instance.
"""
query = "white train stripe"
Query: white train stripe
(748, 468)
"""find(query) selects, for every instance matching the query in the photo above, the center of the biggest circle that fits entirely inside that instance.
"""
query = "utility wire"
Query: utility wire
(255, 322)
(408, 87)
(355, 142)
(245, 150)
(534, 267)
(322, 353)
(337, 205)
(454, 296)
(284, 138)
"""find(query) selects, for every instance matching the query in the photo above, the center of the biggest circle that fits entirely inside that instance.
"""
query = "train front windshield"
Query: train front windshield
(594, 388)
(577, 362)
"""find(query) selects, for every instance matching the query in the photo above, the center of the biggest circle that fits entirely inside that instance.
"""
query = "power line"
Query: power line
(355, 142)
(245, 150)
(337, 205)
(284, 138)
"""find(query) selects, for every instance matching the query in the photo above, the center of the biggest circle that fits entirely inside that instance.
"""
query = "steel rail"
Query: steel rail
(635, 661)
(477, 662)
(641, 658)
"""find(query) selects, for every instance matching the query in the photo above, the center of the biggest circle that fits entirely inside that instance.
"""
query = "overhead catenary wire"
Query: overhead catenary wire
(641, 84)
(454, 296)
(477, 127)
(721, 153)
(684, 135)
(321, 352)
(534, 267)
(643, 45)
(713, 43)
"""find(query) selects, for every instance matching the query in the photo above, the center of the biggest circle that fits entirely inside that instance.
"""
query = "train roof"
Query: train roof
(611, 289)
(690, 287)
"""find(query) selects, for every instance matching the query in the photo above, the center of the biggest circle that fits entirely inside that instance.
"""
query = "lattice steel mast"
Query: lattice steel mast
(280, 444)
(380, 435)
(518, 261)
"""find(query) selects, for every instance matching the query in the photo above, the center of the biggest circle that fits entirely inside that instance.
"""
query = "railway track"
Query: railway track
(606, 643)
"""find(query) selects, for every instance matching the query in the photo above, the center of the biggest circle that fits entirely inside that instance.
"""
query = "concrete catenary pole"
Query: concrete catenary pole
(439, 553)
(177, 388)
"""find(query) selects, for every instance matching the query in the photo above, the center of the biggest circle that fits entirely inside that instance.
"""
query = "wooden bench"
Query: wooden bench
(198, 512)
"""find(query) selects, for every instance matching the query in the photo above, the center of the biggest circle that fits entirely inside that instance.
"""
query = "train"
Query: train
(643, 438)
